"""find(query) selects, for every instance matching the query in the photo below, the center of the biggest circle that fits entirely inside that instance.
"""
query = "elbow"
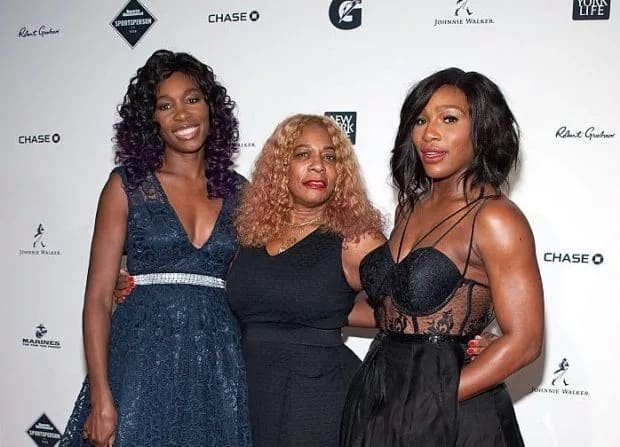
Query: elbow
(531, 350)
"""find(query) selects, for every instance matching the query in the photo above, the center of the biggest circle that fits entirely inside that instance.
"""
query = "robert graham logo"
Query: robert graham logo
(39, 138)
(591, 9)
(41, 31)
(133, 22)
(463, 14)
(43, 432)
(589, 133)
(560, 383)
(574, 258)
(40, 341)
(347, 122)
(233, 17)
(346, 14)
(39, 245)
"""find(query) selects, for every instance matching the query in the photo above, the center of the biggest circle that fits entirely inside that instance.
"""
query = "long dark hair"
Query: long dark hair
(495, 135)
(138, 145)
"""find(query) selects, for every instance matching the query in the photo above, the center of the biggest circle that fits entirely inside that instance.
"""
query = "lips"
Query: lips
(433, 155)
(187, 132)
(315, 184)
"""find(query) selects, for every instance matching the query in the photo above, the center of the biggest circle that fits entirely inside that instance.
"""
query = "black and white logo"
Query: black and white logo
(133, 22)
(560, 384)
(462, 13)
(591, 9)
(573, 258)
(584, 133)
(40, 340)
(38, 31)
(233, 17)
(347, 122)
(39, 244)
(346, 14)
(39, 138)
(43, 432)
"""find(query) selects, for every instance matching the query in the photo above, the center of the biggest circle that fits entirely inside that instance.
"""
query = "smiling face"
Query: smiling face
(312, 173)
(182, 114)
(442, 134)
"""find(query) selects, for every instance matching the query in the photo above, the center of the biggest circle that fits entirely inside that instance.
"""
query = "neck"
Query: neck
(190, 166)
(300, 216)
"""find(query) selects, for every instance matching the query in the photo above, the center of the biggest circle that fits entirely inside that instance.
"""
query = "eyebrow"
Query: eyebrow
(305, 145)
(186, 92)
(450, 106)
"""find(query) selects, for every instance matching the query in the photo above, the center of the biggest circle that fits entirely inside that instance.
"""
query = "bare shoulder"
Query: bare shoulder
(501, 223)
(354, 251)
(113, 192)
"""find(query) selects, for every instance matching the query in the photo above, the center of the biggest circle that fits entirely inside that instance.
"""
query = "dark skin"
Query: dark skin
(182, 113)
(312, 178)
(503, 252)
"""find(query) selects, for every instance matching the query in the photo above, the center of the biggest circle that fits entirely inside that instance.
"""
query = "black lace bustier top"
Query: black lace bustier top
(426, 293)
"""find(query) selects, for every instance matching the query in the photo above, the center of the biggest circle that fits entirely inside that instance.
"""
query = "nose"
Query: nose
(317, 163)
(180, 112)
(431, 132)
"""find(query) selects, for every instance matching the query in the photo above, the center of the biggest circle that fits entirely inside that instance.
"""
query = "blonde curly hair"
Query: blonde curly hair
(265, 203)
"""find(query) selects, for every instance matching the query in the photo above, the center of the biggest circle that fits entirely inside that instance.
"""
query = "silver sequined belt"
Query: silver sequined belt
(179, 278)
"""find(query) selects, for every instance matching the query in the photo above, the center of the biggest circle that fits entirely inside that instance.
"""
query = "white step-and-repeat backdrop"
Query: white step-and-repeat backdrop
(66, 65)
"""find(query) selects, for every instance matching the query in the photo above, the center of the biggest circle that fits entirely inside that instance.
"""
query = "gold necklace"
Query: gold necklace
(299, 229)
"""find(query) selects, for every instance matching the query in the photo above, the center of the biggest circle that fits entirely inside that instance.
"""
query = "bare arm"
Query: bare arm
(352, 254)
(105, 257)
(505, 245)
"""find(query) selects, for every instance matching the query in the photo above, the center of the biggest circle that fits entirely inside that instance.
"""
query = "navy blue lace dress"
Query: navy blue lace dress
(175, 365)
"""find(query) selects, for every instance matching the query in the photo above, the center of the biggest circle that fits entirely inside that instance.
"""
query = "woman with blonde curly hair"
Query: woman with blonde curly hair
(304, 224)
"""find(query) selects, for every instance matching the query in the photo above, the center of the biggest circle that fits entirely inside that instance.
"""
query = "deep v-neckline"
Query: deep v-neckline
(178, 220)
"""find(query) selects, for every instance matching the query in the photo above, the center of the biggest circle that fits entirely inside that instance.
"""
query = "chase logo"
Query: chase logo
(233, 17)
(591, 9)
(346, 14)
(573, 258)
(39, 138)
(347, 121)
(133, 22)
(43, 432)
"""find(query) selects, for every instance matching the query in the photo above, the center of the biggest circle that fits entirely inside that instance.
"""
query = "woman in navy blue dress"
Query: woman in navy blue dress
(165, 369)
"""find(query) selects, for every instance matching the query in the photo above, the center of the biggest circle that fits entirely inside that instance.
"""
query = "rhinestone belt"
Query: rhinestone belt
(179, 278)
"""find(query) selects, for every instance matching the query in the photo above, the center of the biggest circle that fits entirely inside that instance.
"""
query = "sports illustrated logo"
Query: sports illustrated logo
(39, 245)
(233, 17)
(43, 432)
(463, 14)
(40, 341)
(591, 9)
(39, 138)
(42, 31)
(133, 22)
(346, 14)
(347, 121)
(591, 133)
(574, 258)
(560, 382)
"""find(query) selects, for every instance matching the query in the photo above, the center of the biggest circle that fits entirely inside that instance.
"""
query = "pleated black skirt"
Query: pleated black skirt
(405, 395)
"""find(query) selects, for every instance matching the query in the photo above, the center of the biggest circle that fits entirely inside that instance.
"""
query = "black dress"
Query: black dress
(405, 393)
(292, 307)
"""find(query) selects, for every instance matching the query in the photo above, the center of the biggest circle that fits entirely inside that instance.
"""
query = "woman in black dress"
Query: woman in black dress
(460, 253)
(304, 224)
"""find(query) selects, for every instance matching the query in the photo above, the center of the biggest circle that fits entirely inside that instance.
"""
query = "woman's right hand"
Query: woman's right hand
(479, 343)
(100, 426)
(124, 286)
